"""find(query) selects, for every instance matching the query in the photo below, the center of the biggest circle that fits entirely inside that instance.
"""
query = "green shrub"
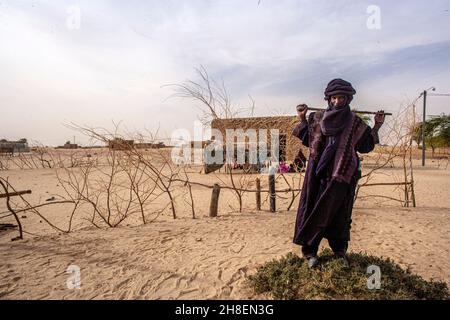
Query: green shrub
(291, 278)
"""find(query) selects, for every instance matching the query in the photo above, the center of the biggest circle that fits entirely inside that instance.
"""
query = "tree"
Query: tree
(437, 132)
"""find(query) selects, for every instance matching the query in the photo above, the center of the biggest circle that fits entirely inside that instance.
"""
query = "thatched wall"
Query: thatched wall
(285, 125)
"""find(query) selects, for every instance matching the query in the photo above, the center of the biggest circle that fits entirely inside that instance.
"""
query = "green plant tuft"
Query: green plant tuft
(291, 278)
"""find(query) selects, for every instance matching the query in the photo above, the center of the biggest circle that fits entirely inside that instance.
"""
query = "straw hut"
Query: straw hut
(288, 144)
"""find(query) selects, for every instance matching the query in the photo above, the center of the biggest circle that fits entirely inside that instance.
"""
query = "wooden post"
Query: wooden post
(413, 194)
(406, 182)
(272, 192)
(214, 201)
(258, 194)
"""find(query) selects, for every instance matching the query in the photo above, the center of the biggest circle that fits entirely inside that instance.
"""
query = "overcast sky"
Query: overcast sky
(113, 65)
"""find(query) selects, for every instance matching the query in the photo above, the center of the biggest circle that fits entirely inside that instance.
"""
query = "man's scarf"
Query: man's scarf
(340, 149)
(335, 120)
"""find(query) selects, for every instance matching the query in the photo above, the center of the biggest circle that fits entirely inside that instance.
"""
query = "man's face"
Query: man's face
(338, 100)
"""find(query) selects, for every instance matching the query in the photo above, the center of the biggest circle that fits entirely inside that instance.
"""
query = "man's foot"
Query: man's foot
(344, 259)
(313, 261)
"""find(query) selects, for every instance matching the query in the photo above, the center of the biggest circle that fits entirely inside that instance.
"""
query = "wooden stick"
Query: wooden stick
(385, 184)
(231, 188)
(14, 194)
(8, 205)
(362, 112)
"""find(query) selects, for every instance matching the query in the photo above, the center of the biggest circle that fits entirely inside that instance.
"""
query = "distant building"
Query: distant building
(69, 145)
(120, 144)
(11, 147)
(149, 145)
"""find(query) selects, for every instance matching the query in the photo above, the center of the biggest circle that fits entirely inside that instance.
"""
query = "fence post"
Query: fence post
(258, 194)
(272, 192)
(214, 201)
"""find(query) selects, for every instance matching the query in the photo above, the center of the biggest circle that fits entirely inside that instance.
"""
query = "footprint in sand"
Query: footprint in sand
(237, 248)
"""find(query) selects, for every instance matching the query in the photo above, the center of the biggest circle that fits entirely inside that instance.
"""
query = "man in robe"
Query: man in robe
(334, 137)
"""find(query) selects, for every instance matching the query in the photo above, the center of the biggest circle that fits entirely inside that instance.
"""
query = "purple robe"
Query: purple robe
(327, 197)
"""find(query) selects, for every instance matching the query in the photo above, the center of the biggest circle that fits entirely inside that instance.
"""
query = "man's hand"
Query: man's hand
(301, 112)
(379, 119)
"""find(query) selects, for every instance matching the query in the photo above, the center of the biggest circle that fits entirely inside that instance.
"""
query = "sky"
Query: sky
(97, 63)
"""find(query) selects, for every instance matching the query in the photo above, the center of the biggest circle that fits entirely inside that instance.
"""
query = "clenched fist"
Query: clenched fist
(379, 118)
(301, 112)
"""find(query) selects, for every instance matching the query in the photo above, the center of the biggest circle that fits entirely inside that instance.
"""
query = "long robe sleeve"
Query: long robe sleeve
(368, 141)
(301, 131)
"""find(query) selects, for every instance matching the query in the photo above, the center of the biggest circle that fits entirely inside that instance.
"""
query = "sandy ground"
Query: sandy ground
(207, 258)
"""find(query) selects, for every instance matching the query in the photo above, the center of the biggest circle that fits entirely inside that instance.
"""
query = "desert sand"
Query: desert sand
(207, 258)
